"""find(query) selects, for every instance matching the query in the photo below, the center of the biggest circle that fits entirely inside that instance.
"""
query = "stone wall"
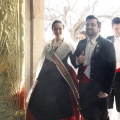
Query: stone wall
(34, 37)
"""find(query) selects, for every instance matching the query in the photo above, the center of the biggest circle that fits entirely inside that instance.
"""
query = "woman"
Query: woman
(51, 97)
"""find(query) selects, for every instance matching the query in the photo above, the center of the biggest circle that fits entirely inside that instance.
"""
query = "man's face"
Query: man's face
(92, 28)
(116, 30)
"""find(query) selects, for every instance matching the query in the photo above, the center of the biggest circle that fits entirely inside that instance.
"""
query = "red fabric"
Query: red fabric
(22, 97)
(118, 70)
(85, 78)
(29, 115)
(76, 114)
(73, 75)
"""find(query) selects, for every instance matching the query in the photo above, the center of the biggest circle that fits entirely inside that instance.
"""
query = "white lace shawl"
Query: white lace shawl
(61, 52)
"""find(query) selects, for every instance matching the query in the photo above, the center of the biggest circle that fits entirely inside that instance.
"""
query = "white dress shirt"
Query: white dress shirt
(88, 54)
(117, 50)
(89, 50)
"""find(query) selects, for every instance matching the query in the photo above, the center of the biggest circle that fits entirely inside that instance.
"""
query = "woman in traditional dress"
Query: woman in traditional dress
(51, 96)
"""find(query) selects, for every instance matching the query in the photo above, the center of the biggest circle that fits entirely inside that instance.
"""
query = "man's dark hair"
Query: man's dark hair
(56, 21)
(116, 20)
(89, 17)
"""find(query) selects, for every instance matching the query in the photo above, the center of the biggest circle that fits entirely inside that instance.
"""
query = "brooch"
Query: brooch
(50, 49)
(97, 48)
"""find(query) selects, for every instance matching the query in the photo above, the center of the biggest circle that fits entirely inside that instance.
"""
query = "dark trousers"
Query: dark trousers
(115, 93)
(92, 107)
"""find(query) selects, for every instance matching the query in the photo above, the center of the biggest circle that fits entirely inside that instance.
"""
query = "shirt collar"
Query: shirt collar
(117, 38)
(93, 41)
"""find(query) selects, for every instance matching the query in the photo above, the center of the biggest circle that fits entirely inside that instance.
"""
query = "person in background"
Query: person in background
(82, 35)
(115, 91)
(95, 59)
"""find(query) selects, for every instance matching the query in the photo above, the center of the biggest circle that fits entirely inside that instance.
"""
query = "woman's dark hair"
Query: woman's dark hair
(56, 21)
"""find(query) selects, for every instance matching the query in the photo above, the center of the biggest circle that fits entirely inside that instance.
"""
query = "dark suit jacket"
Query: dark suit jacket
(103, 63)
(111, 38)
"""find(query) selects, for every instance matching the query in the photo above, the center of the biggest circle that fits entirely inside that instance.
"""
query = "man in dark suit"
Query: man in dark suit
(115, 92)
(95, 59)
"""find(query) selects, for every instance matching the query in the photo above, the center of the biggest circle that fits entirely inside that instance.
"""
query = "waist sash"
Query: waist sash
(64, 72)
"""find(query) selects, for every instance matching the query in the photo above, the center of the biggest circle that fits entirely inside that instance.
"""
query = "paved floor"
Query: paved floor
(114, 115)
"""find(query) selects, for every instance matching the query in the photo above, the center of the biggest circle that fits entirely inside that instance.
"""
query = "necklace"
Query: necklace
(57, 44)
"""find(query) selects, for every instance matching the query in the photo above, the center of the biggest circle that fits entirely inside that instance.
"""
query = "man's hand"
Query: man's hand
(81, 58)
(102, 94)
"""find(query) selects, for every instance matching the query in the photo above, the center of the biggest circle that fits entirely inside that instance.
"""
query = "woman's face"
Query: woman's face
(58, 29)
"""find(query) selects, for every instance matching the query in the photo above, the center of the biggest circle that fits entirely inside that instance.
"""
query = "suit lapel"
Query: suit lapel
(97, 47)
(112, 39)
